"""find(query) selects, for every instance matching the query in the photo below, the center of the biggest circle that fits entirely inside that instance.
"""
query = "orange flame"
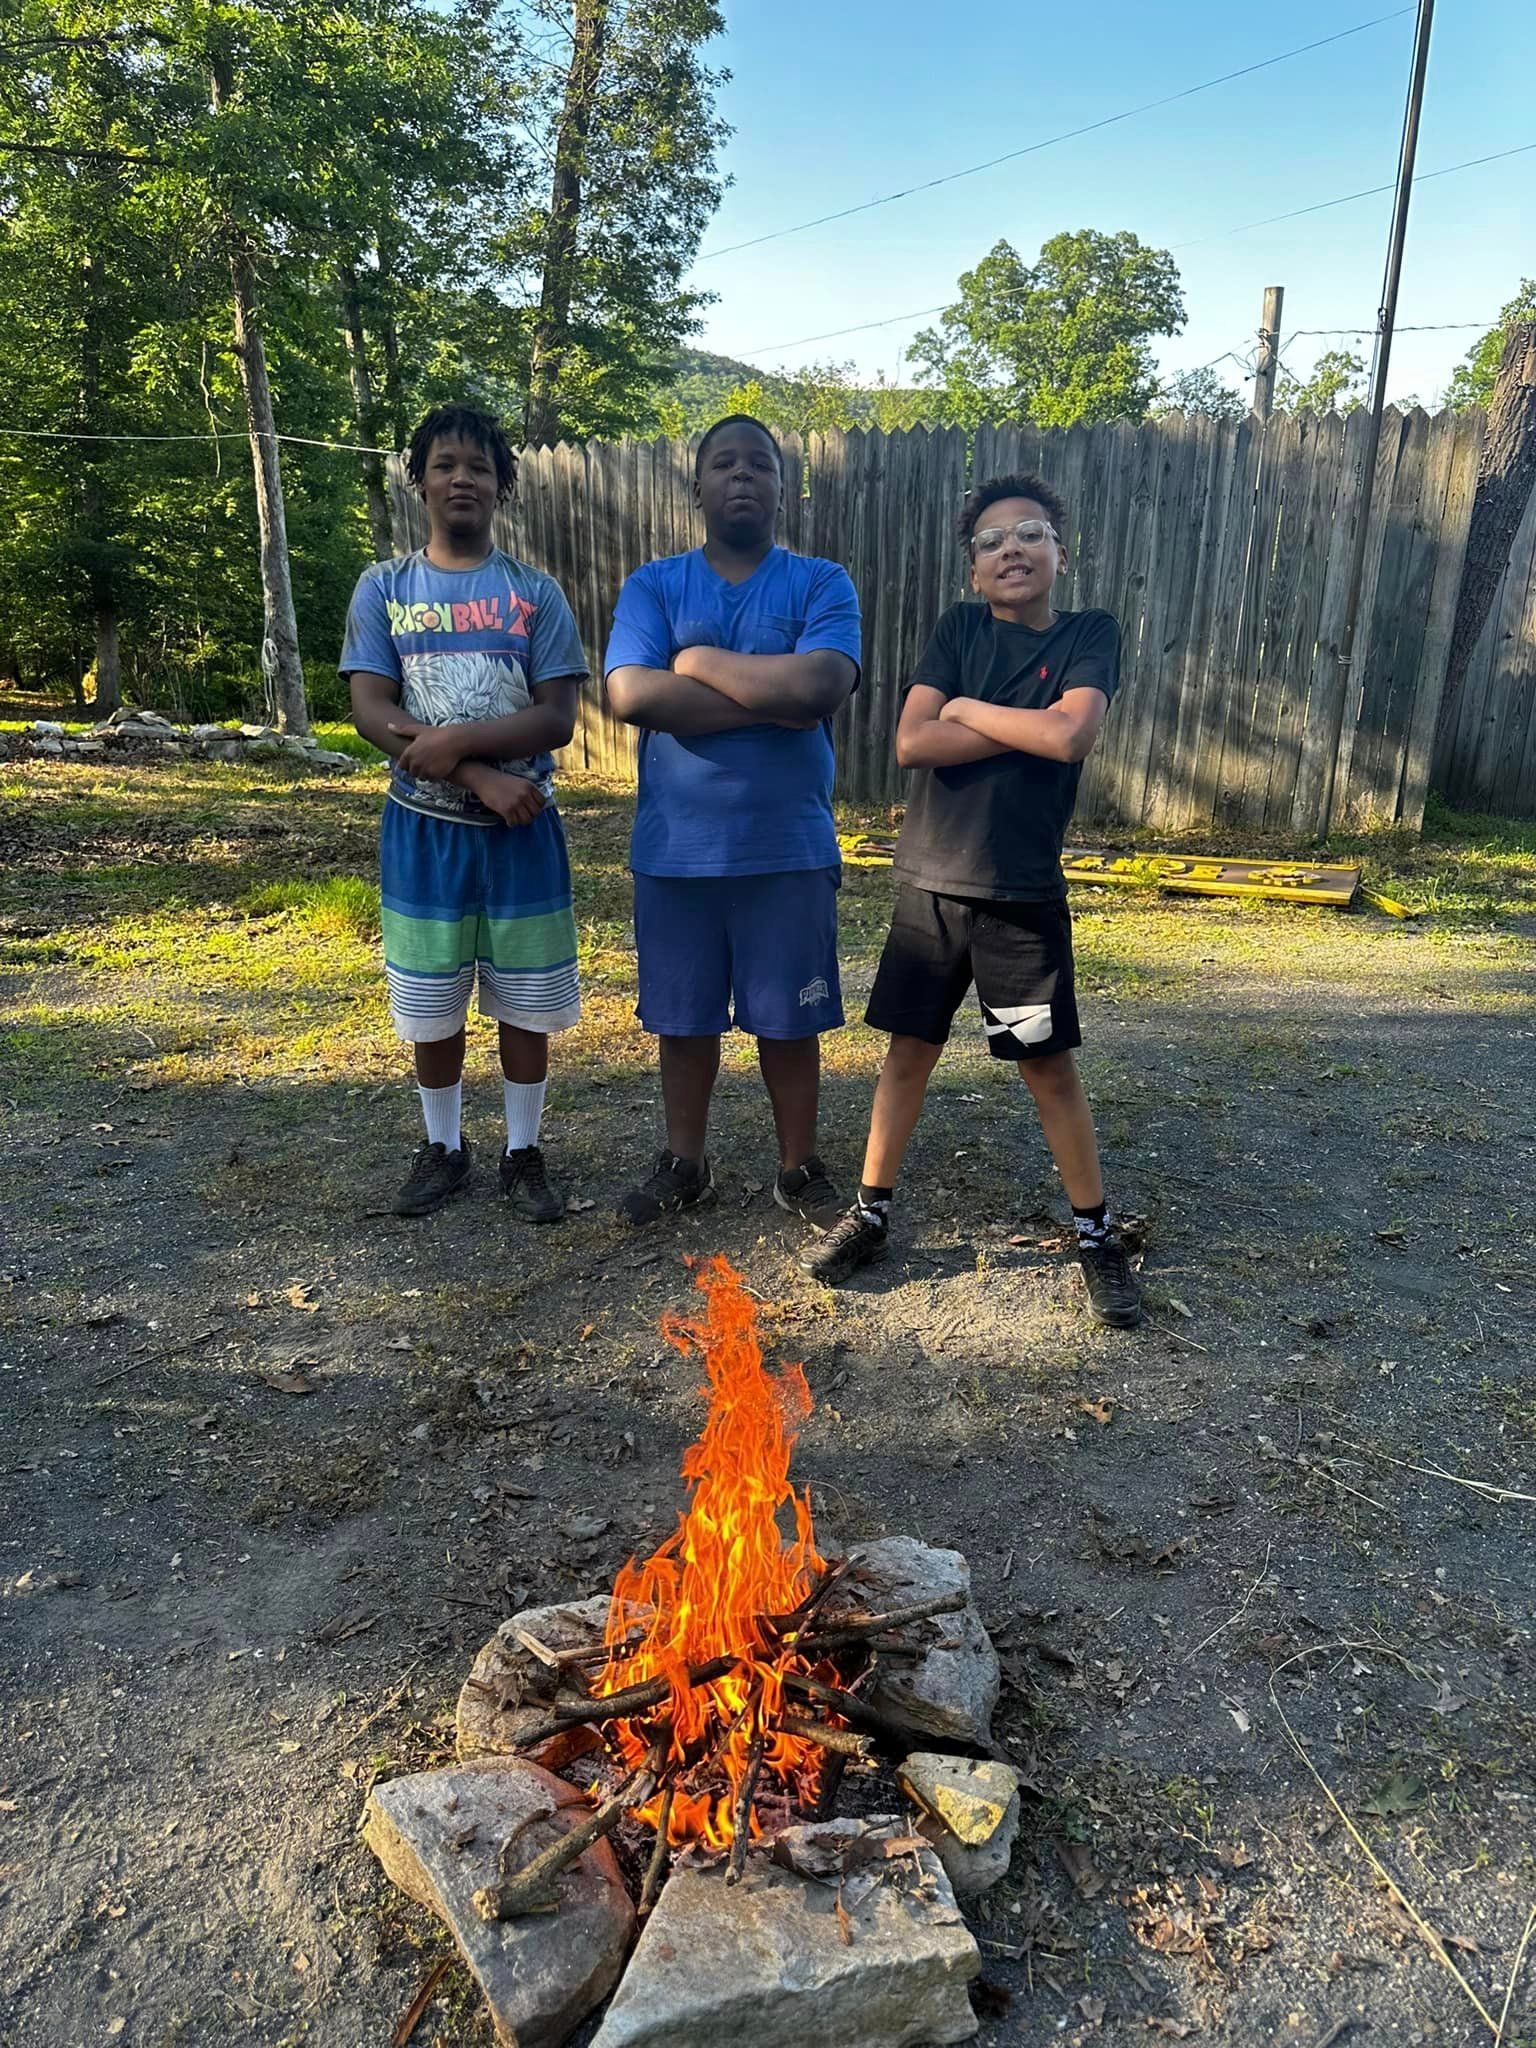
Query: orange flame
(727, 1564)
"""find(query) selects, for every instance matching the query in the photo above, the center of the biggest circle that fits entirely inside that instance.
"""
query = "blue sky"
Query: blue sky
(838, 101)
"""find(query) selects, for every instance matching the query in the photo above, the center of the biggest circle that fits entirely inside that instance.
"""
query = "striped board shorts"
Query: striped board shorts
(457, 898)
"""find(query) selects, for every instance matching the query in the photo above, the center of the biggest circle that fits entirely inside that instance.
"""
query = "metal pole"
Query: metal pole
(1269, 351)
(1381, 356)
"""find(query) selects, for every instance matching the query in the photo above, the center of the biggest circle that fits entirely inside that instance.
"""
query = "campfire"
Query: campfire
(728, 1688)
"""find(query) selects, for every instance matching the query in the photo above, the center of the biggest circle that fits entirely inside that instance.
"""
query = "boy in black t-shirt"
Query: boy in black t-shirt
(1004, 706)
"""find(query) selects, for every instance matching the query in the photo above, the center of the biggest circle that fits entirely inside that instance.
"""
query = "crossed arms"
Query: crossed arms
(710, 689)
(936, 731)
(466, 753)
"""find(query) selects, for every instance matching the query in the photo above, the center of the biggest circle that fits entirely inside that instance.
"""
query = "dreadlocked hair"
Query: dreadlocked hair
(995, 489)
(467, 423)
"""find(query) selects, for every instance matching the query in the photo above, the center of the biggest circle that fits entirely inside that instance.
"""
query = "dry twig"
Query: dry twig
(1483, 1488)
(1431, 1939)
(1514, 1974)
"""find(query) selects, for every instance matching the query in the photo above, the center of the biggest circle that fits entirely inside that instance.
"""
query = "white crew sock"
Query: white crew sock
(442, 1108)
(525, 1107)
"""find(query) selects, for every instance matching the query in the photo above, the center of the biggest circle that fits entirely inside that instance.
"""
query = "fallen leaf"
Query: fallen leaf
(1397, 1795)
(288, 1382)
(586, 1331)
(1237, 1858)
(301, 1295)
(1448, 1702)
(1180, 1308)
(1101, 1411)
(1092, 2009)
(582, 1525)
(1241, 1717)
(844, 1924)
(1464, 1942)
(1086, 1878)
(580, 1203)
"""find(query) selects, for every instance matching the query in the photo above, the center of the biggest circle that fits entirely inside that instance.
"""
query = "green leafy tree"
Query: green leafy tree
(1200, 391)
(1472, 381)
(1337, 384)
(1063, 340)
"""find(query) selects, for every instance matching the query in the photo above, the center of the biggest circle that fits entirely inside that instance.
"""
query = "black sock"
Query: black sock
(1093, 1224)
(876, 1202)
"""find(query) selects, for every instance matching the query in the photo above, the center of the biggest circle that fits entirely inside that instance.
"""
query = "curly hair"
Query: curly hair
(995, 489)
(466, 423)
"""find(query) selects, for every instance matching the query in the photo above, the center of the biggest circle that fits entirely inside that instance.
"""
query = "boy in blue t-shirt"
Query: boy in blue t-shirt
(465, 667)
(731, 660)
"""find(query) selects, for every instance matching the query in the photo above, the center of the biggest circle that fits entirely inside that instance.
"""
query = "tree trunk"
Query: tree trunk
(1505, 477)
(389, 341)
(365, 412)
(551, 332)
(100, 581)
(281, 669)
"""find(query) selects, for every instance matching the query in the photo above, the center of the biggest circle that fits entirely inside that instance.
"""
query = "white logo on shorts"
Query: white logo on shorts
(814, 992)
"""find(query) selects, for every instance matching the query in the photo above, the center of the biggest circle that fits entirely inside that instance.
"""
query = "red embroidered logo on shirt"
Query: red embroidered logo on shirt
(1045, 675)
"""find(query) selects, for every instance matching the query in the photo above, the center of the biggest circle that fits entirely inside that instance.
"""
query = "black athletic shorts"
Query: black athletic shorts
(1018, 954)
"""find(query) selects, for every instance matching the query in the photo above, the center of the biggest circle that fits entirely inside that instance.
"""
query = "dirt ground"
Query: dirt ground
(1243, 1563)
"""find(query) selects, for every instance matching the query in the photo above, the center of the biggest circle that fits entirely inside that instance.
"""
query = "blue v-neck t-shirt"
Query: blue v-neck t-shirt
(756, 801)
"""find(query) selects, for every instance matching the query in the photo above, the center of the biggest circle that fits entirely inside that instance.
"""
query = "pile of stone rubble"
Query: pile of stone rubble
(145, 734)
(845, 1931)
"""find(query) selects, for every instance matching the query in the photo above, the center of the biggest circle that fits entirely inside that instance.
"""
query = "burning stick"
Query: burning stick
(533, 1888)
(840, 1741)
(622, 1706)
(848, 1629)
(656, 1869)
(743, 1818)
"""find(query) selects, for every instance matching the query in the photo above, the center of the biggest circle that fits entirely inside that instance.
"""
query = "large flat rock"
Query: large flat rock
(439, 1836)
(970, 1813)
(769, 1963)
(508, 1691)
(950, 1690)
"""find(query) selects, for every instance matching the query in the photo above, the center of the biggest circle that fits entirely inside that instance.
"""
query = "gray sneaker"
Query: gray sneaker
(436, 1175)
(807, 1192)
(858, 1239)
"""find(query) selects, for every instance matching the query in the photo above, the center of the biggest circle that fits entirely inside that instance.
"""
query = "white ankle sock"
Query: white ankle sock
(525, 1107)
(442, 1108)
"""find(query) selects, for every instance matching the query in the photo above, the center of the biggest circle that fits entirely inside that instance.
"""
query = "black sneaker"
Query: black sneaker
(676, 1184)
(435, 1175)
(806, 1192)
(527, 1186)
(859, 1239)
(1114, 1292)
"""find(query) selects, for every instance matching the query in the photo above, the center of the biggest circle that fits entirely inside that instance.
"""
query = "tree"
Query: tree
(1506, 476)
(1200, 391)
(1064, 340)
(1337, 384)
(628, 123)
(1473, 380)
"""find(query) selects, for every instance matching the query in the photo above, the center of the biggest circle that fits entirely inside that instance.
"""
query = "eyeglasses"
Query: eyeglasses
(1029, 533)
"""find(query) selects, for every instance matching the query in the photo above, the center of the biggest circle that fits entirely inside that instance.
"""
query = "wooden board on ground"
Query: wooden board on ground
(1288, 881)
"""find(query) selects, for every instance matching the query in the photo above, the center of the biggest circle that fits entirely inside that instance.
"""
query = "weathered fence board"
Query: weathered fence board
(1223, 549)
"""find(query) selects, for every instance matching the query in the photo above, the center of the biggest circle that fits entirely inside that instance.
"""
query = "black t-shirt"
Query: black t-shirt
(994, 829)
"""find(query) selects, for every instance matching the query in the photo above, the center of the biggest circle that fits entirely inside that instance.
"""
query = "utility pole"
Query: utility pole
(1269, 351)
(1381, 356)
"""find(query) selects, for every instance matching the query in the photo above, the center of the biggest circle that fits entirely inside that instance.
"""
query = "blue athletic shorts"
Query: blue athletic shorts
(765, 943)
(461, 899)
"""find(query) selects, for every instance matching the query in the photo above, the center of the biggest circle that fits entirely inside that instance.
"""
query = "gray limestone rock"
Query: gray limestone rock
(508, 1690)
(947, 1692)
(326, 757)
(969, 1811)
(769, 1962)
(439, 1836)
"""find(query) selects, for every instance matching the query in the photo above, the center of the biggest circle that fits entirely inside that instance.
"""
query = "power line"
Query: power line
(1050, 141)
(1370, 192)
(293, 440)
(1345, 199)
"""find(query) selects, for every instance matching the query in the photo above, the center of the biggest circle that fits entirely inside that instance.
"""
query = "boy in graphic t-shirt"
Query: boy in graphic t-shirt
(731, 659)
(465, 666)
(1001, 711)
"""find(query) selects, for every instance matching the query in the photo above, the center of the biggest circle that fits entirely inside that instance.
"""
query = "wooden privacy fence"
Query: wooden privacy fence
(1223, 549)
(1486, 761)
